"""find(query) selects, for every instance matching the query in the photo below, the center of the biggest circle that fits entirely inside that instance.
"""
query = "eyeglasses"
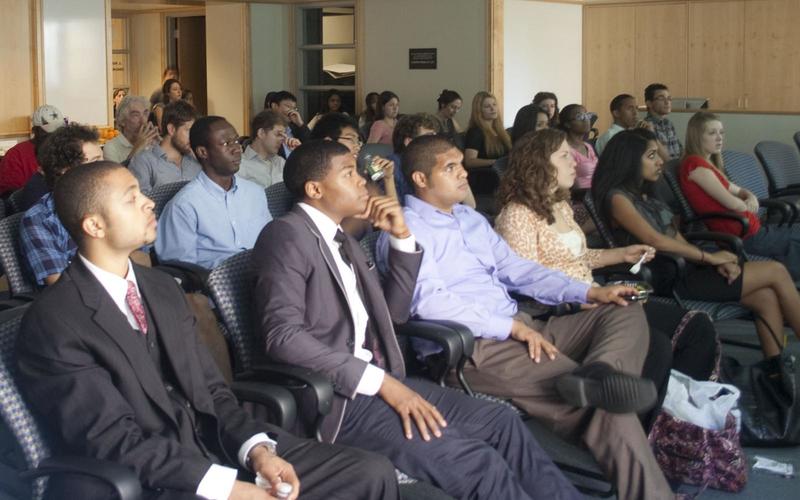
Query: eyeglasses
(230, 143)
(585, 117)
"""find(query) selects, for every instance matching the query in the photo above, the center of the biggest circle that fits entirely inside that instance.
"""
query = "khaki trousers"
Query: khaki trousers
(616, 335)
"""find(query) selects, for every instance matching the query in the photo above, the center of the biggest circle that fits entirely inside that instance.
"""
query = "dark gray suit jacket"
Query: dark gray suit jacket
(302, 312)
(94, 383)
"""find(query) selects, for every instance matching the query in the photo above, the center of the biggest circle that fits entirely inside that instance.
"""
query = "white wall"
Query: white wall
(75, 60)
(269, 51)
(542, 52)
(457, 28)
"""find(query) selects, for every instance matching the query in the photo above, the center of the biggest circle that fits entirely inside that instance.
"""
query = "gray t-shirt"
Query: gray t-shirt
(152, 168)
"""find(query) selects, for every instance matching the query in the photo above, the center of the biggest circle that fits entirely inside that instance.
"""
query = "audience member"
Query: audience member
(47, 248)
(621, 190)
(19, 163)
(659, 106)
(172, 91)
(332, 103)
(171, 160)
(703, 181)
(551, 370)
(576, 122)
(529, 118)
(137, 133)
(170, 73)
(320, 306)
(486, 138)
(216, 215)
(116, 98)
(626, 116)
(385, 118)
(537, 222)
(286, 104)
(188, 96)
(449, 105)
(261, 162)
(111, 360)
(408, 128)
(548, 102)
(368, 116)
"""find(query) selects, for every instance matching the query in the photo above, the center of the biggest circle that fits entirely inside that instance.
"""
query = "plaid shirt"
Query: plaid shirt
(665, 131)
(45, 243)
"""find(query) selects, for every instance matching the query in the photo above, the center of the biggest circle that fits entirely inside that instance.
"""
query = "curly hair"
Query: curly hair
(530, 176)
(63, 149)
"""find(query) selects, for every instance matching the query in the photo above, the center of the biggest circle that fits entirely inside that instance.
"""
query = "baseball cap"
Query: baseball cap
(49, 118)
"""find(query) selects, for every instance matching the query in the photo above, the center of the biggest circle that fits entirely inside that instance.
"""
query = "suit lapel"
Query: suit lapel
(114, 324)
(323, 247)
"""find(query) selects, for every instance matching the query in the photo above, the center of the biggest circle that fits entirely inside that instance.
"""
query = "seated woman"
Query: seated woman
(548, 102)
(332, 103)
(703, 181)
(485, 142)
(366, 118)
(627, 167)
(536, 221)
(530, 118)
(575, 121)
(172, 92)
(449, 102)
(385, 119)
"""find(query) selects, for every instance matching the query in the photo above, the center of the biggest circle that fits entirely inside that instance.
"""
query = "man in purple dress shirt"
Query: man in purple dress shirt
(576, 373)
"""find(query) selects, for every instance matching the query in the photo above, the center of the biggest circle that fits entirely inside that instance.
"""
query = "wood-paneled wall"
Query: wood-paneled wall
(18, 81)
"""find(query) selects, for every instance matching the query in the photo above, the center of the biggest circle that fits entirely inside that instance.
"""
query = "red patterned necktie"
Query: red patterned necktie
(135, 304)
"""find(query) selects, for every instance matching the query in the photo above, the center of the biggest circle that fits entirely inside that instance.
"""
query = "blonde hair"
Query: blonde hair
(694, 138)
(496, 140)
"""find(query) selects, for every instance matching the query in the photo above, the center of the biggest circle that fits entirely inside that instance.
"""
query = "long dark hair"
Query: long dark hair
(369, 113)
(620, 167)
(383, 99)
(543, 96)
(525, 121)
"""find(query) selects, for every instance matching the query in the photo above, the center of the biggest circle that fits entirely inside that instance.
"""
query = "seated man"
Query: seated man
(171, 160)
(110, 359)
(285, 103)
(47, 248)
(320, 305)
(659, 106)
(261, 162)
(626, 116)
(136, 132)
(549, 369)
(216, 215)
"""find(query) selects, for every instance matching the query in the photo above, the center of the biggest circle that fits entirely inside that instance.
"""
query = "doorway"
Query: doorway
(187, 51)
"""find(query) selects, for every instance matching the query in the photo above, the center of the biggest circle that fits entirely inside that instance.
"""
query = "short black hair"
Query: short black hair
(267, 120)
(330, 126)
(408, 126)
(198, 134)
(616, 103)
(282, 95)
(177, 113)
(78, 194)
(650, 90)
(420, 154)
(310, 162)
(63, 149)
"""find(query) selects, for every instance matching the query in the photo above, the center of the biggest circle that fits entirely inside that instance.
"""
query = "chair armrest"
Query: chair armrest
(445, 336)
(622, 272)
(787, 210)
(120, 477)
(734, 242)
(745, 224)
(296, 378)
(192, 277)
(279, 401)
(787, 191)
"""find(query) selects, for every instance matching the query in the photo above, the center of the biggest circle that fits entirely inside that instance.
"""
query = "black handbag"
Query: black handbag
(769, 400)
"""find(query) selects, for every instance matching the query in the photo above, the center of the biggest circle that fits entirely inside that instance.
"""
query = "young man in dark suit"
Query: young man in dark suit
(109, 358)
(320, 305)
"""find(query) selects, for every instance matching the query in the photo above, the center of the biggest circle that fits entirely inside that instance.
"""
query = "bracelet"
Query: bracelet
(702, 257)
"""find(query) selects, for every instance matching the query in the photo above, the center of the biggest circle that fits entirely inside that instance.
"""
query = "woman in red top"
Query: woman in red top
(703, 181)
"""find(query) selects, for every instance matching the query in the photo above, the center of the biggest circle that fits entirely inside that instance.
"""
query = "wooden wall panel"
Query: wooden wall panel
(716, 52)
(17, 79)
(608, 58)
(660, 47)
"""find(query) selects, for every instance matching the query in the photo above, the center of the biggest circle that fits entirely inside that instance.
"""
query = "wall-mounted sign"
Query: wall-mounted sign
(421, 58)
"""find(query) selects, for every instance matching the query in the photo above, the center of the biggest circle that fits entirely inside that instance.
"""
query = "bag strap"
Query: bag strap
(771, 332)
(681, 328)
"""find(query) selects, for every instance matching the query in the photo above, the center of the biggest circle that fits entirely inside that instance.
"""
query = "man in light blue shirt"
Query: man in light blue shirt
(217, 215)
(626, 116)
(555, 369)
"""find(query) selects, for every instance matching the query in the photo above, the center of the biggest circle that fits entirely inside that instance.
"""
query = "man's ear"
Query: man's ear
(171, 129)
(201, 152)
(313, 190)
(420, 180)
(93, 227)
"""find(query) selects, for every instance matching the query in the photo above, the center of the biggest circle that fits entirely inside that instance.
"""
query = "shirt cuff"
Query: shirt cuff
(500, 329)
(251, 443)
(407, 245)
(217, 483)
(371, 381)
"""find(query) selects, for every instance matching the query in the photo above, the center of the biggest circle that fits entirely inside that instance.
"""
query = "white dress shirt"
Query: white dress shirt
(372, 378)
(217, 482)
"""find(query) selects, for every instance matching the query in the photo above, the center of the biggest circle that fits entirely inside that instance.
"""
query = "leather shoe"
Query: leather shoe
(600, 386)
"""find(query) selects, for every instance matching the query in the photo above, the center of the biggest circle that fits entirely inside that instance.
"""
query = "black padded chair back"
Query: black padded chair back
(797, 139)
(781, 163)
(369, 243)
(594, 213)
(500, 166)
(13, 409)
(279, 199)
(13, 203)
(19, 282)
(163, 193)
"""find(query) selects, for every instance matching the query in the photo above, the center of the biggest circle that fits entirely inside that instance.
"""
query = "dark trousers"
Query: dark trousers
(486, 452)
(326, 472)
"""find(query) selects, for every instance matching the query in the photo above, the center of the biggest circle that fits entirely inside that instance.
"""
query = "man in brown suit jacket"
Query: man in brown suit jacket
(320, 305)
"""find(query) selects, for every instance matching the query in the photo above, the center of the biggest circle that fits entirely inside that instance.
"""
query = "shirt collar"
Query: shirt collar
(617, 127)
(213, 188)
(250, 154)
(326, 226)
(425, 209)
(656, 118)
(123, 140)
(116, 287)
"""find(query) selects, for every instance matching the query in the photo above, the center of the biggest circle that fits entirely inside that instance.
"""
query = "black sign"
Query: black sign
(421, 58)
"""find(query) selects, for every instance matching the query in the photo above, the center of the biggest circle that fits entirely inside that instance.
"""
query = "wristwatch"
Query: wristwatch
(270, 448)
